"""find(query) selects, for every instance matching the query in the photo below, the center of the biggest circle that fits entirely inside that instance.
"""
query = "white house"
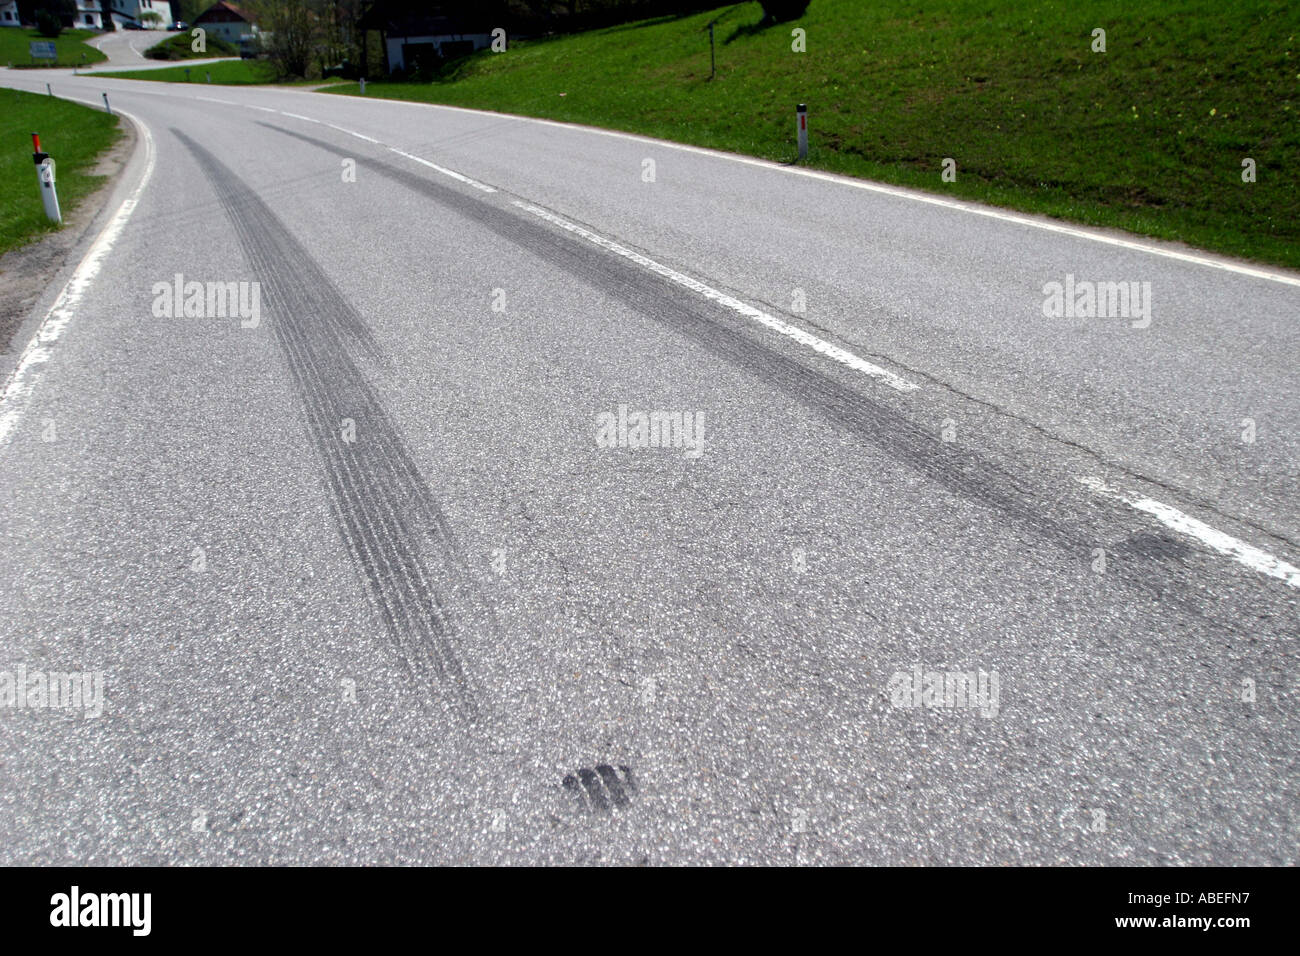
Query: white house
(225, 21)
(9, 13)
(415, 40)
(406, 52)
(132, 11)
(89, 15)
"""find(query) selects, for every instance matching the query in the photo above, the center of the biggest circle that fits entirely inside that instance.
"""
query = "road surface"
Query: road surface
(125, 51)
(381, 574)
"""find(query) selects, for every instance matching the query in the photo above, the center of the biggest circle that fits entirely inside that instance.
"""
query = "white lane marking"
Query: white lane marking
(424, 162)
(895, 191)
(369, 139)
(748, 311)
(350, 132)
(444, 170)
(21, 384)
(1241, 552)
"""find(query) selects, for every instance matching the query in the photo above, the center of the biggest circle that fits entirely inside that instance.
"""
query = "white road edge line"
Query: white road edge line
(898, 192)
(748, 311)
(21, 384)
(1185, 524)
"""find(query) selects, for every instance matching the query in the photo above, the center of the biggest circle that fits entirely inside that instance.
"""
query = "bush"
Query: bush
(179, 48)
(48, 24)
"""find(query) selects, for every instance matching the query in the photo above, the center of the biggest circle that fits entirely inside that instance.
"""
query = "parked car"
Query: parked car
(180, 25)
(131, 26)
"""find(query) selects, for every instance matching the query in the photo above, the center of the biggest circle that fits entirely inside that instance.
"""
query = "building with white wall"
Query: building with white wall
(414, 41)
(133, 11)
(90, 15)
(225, 21)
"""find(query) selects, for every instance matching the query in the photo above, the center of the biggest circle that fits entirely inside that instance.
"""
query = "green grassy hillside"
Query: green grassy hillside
(1148, 136)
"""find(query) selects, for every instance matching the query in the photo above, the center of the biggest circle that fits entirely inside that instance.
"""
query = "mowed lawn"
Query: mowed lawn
(1149, 136)
(224, 73)
(70, 47)
(72, 134)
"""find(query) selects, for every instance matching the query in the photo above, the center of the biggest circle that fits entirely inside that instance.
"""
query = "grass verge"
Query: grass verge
(224, 73)
(74, 135)
(70, 48)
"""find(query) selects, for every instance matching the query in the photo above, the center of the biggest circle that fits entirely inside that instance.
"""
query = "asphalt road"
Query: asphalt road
(125, 51)
(125, 48)
(365, 585)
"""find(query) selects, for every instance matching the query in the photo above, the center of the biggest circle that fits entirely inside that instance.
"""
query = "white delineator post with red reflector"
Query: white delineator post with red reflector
(801, 115)
(45, 178)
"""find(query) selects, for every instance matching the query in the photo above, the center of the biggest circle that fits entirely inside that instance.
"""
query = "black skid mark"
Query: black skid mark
(393, 527)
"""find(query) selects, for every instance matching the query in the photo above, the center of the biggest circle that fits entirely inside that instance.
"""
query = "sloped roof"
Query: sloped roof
(223, 12)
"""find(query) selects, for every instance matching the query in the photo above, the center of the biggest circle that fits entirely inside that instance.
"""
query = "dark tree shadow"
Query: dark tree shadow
(652, 22)
(785, 13)
(749, 29)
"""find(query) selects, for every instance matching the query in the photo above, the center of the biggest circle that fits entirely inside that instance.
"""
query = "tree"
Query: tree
(188, 10)
(106, 15)
(48, 24)
(294, 34)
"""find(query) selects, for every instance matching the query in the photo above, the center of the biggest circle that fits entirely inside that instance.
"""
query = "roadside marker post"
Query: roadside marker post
(108, 109)
(801, 115)
(48, 90)
(363, 86)
(45, 179)
(208, 75)
(187, 74)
